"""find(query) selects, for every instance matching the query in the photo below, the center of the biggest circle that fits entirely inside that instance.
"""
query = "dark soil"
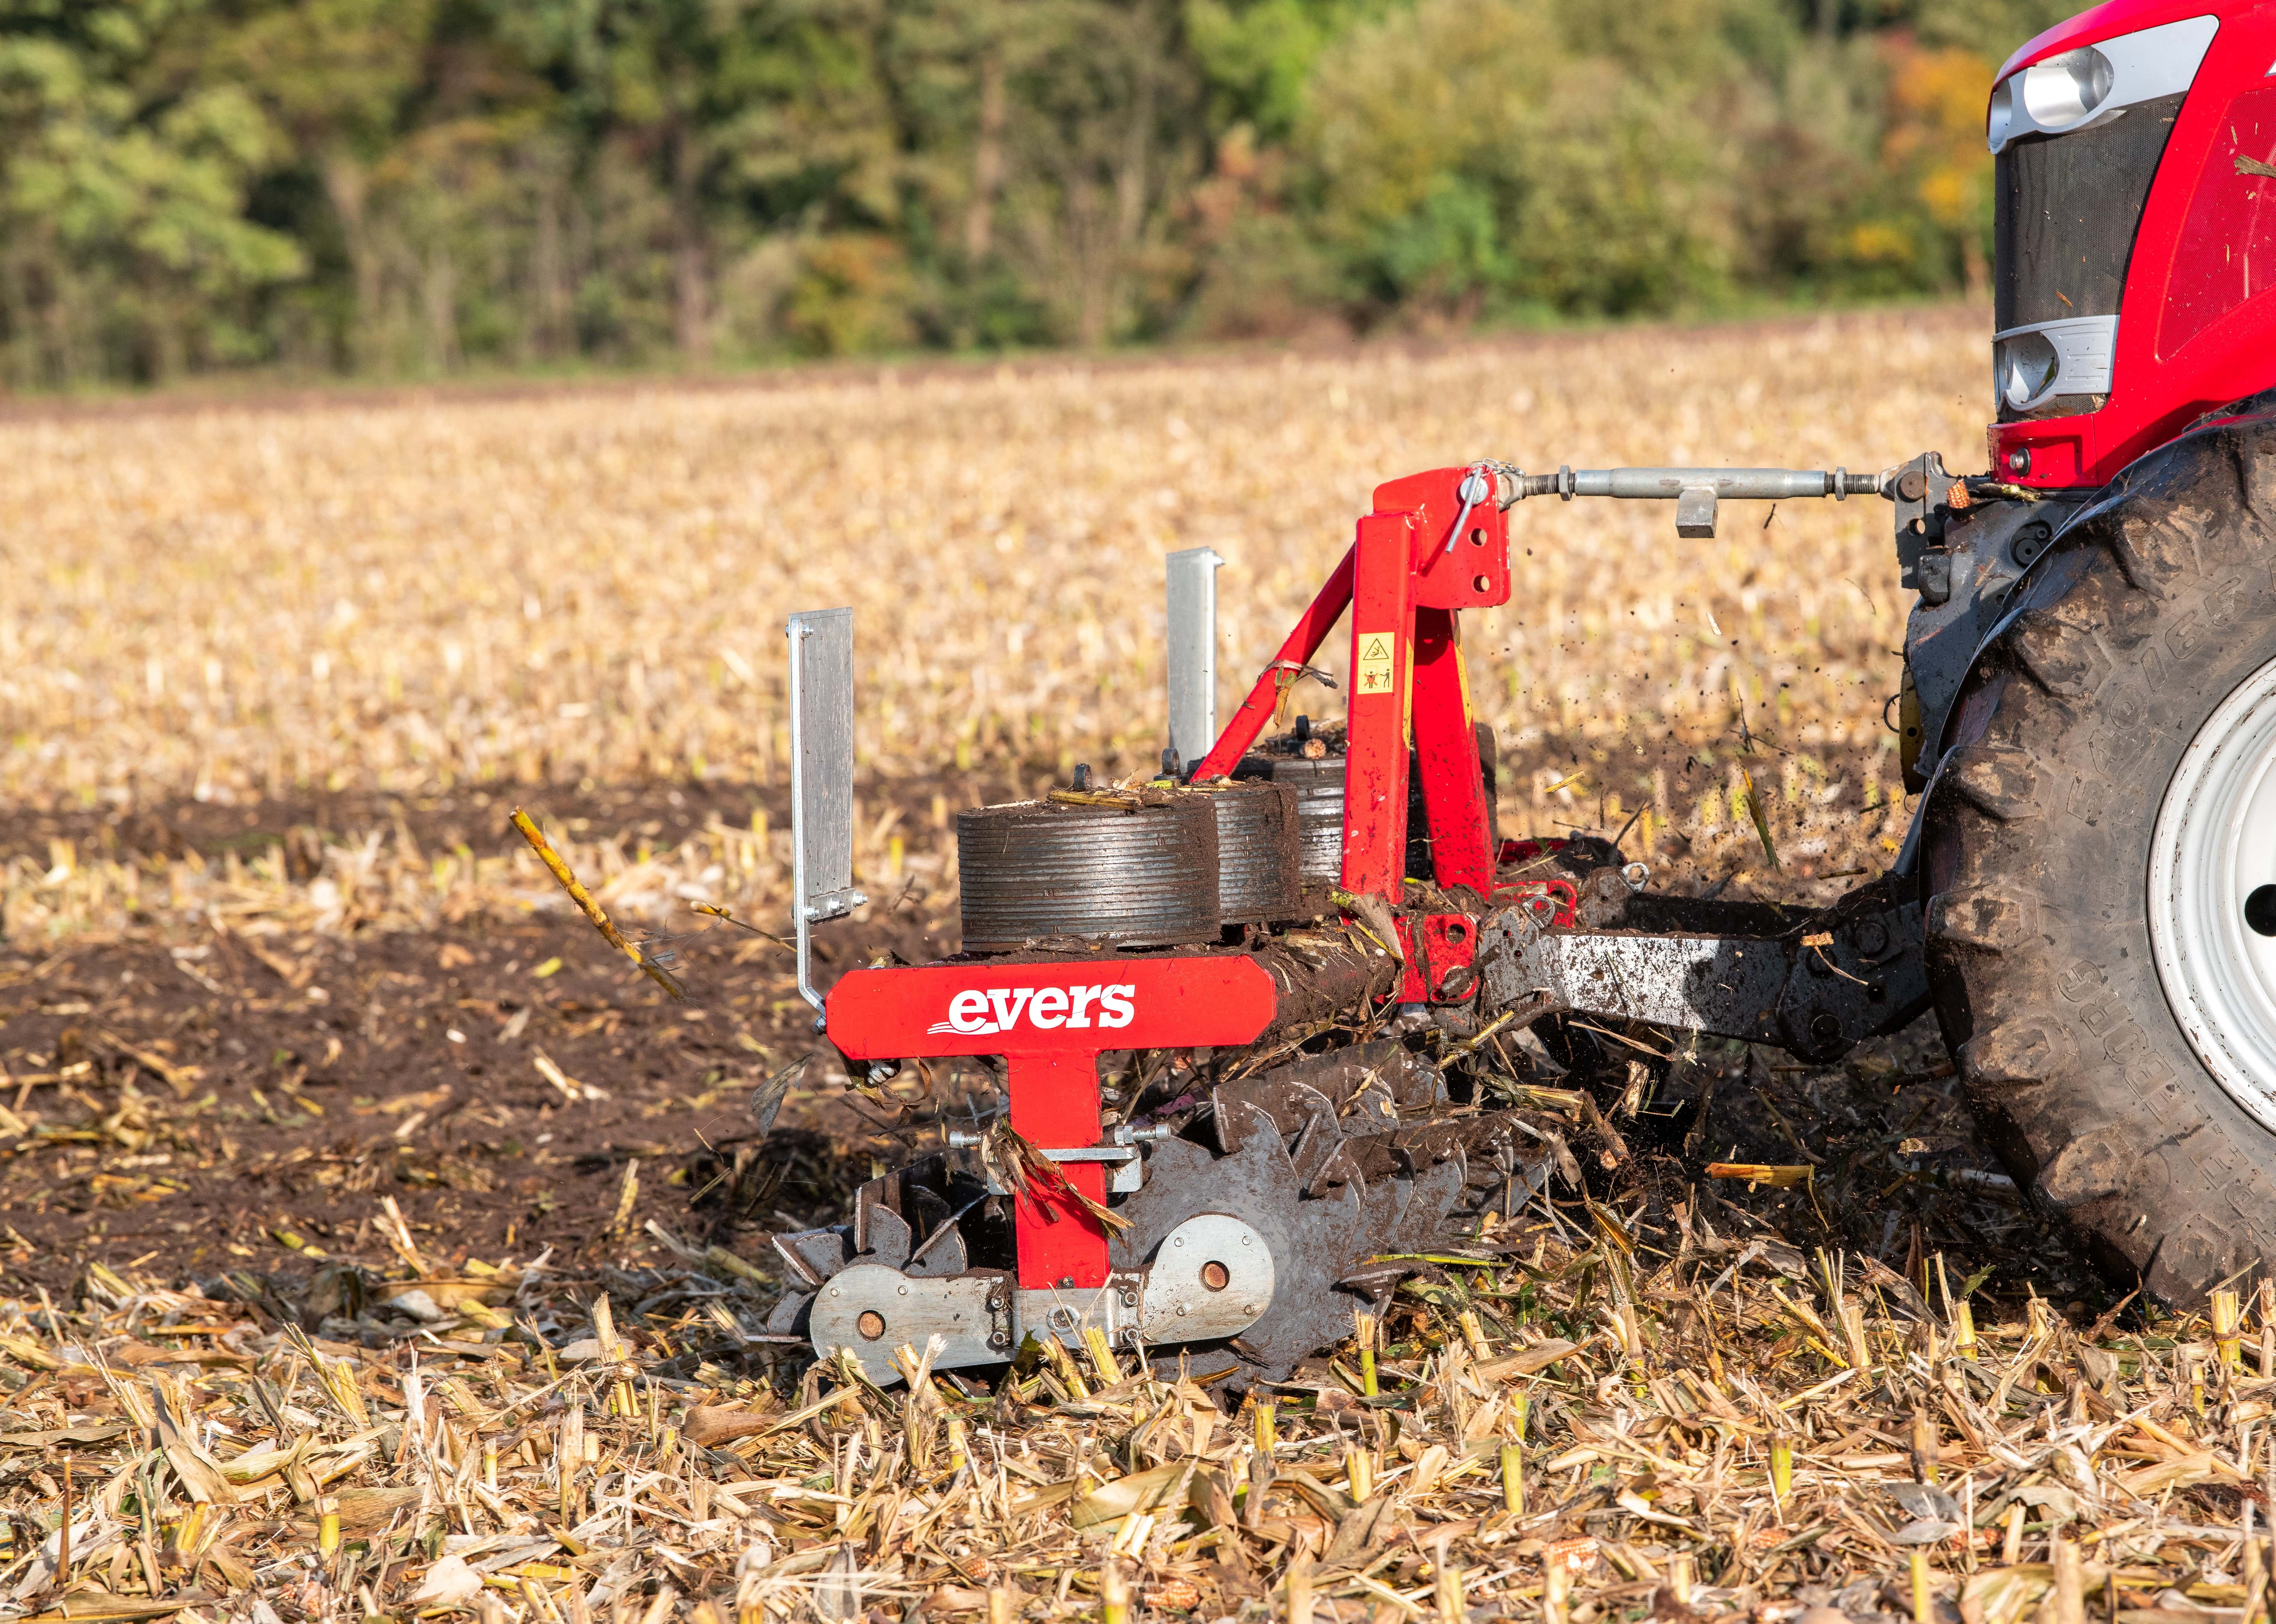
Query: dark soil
(238, 1105)
(200, 1107)
(662, 813)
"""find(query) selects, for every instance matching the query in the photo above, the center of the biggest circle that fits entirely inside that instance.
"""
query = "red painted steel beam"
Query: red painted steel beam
(1054, 1105)
(1302, 642)
(1447, 753)
(1375, 764)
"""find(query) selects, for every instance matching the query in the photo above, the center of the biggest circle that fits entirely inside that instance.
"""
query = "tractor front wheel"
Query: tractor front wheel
(2100, 859)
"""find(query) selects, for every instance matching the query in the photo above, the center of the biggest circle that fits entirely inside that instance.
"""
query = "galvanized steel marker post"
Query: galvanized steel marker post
(821, 780)
(1193, 653)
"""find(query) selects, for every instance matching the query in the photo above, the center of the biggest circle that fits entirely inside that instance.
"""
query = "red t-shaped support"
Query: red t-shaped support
(1050, 1022)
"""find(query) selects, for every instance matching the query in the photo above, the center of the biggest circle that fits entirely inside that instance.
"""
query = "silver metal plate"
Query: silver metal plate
(1711, 983)
(821, 750)
(1212, 1277)
(1814, 996)
(969, 1312)
(821, 776)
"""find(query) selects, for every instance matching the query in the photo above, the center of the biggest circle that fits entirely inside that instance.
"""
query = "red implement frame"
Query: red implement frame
(1405, 579)
(1050, 1022)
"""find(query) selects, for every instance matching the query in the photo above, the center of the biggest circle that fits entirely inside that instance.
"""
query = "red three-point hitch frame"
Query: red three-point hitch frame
(1050, 1022)
(1436, 545)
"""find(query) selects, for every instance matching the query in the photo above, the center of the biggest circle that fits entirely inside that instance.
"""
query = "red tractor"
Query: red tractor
(1252, 1015)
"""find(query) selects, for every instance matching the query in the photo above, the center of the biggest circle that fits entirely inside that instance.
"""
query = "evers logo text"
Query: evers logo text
(999, 1009)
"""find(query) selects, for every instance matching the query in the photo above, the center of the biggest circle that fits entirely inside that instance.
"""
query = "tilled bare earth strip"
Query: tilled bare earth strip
(188, 1088)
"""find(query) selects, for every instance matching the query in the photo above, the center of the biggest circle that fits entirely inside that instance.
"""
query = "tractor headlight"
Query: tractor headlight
(2026, 367)
(2032, 365)
(2095, 83)
(2052, 94)
(2063, 89)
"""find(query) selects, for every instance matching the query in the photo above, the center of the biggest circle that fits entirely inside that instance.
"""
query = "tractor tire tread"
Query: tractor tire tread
(2127, 632)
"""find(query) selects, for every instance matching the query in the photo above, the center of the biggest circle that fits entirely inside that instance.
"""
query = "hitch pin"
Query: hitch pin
(1473, 490)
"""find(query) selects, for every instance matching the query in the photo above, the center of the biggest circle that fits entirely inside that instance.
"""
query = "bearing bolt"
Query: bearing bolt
(871, 1324)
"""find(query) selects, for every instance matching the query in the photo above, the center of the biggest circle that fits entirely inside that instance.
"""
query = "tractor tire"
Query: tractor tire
(2099, 861)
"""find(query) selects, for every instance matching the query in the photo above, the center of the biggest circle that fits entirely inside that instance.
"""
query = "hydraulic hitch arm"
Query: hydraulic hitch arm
(1695, 491)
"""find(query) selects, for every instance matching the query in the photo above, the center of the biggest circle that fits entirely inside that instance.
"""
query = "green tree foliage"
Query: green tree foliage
(125, 248)
(399, 188)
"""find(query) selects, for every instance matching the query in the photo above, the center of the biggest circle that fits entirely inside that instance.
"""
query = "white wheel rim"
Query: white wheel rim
(2215, 845)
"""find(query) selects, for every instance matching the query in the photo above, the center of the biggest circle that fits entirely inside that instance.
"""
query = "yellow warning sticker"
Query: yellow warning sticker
(1373, 673)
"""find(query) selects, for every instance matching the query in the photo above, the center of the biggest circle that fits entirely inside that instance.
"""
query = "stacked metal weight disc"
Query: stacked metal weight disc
(1319, 786)
(1257, 844)
(1033, 870)
(1319, 789)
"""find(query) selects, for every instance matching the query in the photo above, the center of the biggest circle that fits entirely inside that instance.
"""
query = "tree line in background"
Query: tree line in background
(411, 187)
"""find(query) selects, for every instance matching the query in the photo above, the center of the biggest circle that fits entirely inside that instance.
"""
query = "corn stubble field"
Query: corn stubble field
(376, 1244)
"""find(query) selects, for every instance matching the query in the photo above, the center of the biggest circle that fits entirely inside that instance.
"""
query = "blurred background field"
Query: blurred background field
(303, 626)
(416, 188)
